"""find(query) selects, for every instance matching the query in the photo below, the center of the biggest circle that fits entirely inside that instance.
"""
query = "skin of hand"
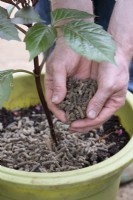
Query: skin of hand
(110, 96)
(63, 63)
(112, 80)
(112, 84)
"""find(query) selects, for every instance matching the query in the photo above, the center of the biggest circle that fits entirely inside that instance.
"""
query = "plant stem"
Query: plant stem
(10, 12)
(20, 29)
(16, 5)
(11, 2)
(42, 98)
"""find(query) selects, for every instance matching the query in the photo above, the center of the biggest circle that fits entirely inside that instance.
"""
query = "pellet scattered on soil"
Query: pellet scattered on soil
(25, 142)
(79, 93)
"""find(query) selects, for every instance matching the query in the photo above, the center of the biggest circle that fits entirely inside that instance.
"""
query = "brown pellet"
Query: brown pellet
(29, 148)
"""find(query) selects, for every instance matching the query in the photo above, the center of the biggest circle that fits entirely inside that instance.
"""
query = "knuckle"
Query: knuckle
(49, 69)
(55, 67)
(55, 71)
(111, 87)
(99, 102)
(98, 105)
(57, 88)
(58, 67)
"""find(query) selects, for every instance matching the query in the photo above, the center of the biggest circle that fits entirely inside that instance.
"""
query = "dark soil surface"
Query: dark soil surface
(25, 142)
(79, 93)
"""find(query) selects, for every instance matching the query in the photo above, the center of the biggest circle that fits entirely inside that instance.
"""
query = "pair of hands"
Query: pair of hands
(112, 84)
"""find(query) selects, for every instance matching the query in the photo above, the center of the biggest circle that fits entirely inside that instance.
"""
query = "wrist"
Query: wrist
(83, 5)
(123, 43)
(120, 26)
(124, 56)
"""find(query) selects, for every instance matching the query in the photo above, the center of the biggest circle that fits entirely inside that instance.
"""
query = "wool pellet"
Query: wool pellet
(30, 149)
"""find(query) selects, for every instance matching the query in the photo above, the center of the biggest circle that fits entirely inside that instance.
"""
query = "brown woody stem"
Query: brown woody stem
(42, 98)
(21, 29)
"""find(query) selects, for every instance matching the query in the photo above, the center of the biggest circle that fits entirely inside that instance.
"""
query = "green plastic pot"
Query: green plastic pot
(98, 182)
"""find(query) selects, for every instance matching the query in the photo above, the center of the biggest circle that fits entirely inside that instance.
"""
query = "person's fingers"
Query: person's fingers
(97, 102)
(56, 80)
(94, 70)
(55, 87)
(83, 123)
(59, 86)
(58, 113)
(48, 94)
(83, 69)
(111, 106)
(110, 96)
(84, 129)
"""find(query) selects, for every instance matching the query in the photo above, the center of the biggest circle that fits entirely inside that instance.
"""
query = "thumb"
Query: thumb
(59, 85)
(96, 103)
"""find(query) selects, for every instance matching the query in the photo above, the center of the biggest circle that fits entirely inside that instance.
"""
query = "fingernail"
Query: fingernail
(55, 99)
(91, 114)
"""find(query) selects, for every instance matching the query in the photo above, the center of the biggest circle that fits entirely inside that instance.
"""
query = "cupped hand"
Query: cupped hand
(63, 63)
(112, 87)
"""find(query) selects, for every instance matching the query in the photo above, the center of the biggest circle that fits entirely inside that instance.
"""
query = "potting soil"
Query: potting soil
(25, 142)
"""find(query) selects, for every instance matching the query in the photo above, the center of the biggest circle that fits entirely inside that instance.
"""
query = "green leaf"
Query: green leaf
(64, 13)
(26, 16)
(39, 38)
(6, 85)
(89, 40)
(3, 12)
(7, 30)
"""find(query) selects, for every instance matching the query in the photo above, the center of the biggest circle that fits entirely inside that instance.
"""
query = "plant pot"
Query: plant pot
(98, 182)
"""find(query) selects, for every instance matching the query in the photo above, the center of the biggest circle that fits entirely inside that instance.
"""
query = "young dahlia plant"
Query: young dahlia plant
(86, 38)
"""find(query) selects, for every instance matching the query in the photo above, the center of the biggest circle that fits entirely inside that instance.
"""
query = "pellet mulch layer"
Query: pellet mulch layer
(79, 93)
(25, 142)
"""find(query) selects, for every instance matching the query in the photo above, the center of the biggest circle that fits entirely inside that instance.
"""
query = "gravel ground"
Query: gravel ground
(126, 192)
(14, 56)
